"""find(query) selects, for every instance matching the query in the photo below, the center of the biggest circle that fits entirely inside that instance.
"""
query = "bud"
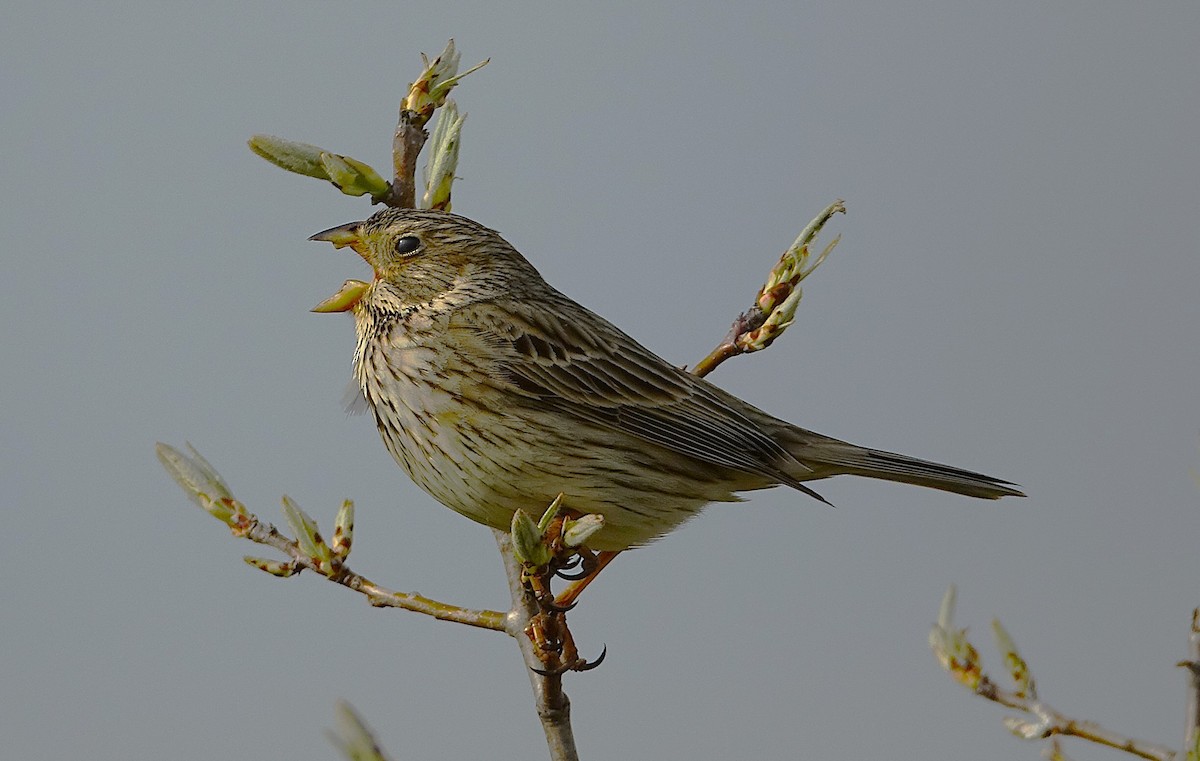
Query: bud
(203, 485)
(1017, 668)
(781, 294)
(443, 158)
(577, 532)
(1026, 730)
(527, 541)
(343, 530)
(440, 76)
(353, 738)
(353, 177)
(550, 514)
(273, 567)
(951, 647)
(300, 158)
(307, 535)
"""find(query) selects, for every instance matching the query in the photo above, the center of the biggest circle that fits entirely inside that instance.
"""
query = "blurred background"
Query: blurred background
(1015, 292)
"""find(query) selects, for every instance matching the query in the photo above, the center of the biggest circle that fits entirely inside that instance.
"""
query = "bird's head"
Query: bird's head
(420, 256)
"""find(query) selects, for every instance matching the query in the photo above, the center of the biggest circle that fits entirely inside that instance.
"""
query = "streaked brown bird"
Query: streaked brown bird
(496, 392)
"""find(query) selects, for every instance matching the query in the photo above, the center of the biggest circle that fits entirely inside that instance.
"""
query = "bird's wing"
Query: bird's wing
(577, 362)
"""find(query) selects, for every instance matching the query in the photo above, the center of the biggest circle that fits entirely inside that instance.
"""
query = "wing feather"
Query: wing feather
(588, 369)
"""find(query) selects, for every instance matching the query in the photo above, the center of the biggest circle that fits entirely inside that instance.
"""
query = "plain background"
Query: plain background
(1016, 292)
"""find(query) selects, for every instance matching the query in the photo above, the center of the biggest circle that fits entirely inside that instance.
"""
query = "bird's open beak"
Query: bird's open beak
(352, 290)
(342, 236)
(345, 299)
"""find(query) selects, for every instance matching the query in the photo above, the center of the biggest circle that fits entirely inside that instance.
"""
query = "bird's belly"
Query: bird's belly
(485, 455)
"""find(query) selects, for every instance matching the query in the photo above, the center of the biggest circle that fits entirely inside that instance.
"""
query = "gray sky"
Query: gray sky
(1015, 292)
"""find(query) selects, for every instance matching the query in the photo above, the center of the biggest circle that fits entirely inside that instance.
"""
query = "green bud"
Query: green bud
(353, 738)
(343, 530)
(1017, 668)
(577, 532)
(443, 158)
(307, 535)
(550, 514)
(353, 177)
(527, 541)
(300, 158)
(794, 265)
(777, 321)
(203, 485)
(951, 647)
(440, 76)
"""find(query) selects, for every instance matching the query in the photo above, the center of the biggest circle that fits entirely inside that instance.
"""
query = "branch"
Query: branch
(960, 658)
(427, 94)
(406, 146)
(553, 707)
(207, 489)
(353, 177)
(775, 305)
(1191, 743)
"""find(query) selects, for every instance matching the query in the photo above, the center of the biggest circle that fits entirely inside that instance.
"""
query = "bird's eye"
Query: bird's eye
(407, 245)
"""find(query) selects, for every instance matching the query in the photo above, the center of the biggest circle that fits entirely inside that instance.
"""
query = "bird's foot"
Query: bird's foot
(555, 646)
(554, 547)
(553, 642)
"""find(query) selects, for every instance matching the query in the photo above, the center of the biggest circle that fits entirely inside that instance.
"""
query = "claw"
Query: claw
(577, 665)
(575, 562)
(549, 606)
(593, 568)
(582, 574)
(585, 666)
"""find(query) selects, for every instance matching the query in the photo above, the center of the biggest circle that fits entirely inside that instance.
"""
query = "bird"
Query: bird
(495, 392)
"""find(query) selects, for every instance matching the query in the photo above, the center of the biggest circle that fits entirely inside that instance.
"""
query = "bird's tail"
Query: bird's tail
(831, 457)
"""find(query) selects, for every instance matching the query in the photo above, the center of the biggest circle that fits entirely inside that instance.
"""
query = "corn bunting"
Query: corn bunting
(495, 392)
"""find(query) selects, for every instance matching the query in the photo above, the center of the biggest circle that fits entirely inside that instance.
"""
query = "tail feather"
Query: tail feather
(843, 458)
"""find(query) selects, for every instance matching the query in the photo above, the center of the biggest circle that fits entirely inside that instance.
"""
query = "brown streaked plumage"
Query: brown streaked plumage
(496, 392)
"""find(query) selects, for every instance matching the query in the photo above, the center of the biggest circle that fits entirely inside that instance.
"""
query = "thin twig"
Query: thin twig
(1049, 722)
(961, 660)
(775, 305)
(553, 707)
(265, 533)
(407, 143)
(1191, 742)
(728, 348)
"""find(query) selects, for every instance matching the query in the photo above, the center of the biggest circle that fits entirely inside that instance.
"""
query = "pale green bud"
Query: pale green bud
(527, 541)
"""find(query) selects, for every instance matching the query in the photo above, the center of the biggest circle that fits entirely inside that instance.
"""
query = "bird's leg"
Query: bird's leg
(537, 581)
(547, 556)
(546, 627)
(593, 564)
(570, 653)
(541, 631)
(550, 629)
